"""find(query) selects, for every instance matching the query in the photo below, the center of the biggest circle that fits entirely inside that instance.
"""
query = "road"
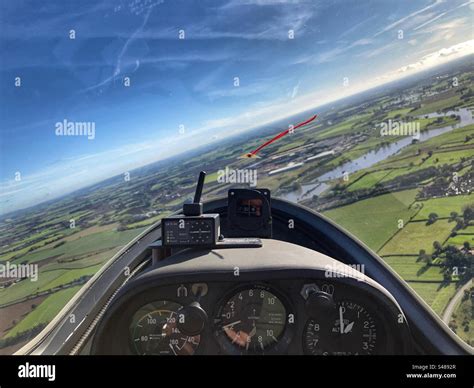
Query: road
(448, 311)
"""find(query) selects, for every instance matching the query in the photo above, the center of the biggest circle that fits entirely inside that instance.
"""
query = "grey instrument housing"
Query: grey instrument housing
(275, 263)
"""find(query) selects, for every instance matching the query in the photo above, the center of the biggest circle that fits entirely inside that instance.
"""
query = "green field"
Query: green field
(347, 126)
(437, 145)
(463, 317)
(45, 312)
(415, 236)
(375, 220)
(410, 269)
(437, 295)
(455, 137)
(26, 287)
(87, 244)
(467, 230)
(83, 262)
(438, 105)
(368, 180)
(55, 274)
(448, 157)
(71, 275)
(460, 239)
(398, 112)
(443, 206)
(293, 144)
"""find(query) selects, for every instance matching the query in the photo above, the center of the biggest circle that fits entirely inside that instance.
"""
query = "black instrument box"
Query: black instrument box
(190, 231)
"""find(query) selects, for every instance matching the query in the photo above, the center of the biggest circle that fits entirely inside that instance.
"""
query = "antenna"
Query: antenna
(199, 187)
(195, 208)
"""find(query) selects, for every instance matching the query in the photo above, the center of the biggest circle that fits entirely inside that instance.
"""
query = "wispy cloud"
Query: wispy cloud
(442, 14)
(356, 26)
(361, 42)
(430, 21)
(432, 35)
(239, 3)
(405, 18)
(139, 8)
(380, 50)
(433, 59)
(294, 92)
(332, 54)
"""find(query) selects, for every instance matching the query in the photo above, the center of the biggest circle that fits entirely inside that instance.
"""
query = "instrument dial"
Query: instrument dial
(350, 330)
(252, 320)
(154, 330)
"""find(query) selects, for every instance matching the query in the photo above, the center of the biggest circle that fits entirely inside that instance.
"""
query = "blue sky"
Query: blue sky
(189, 82)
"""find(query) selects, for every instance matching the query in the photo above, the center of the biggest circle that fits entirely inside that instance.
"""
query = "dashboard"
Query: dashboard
(279, 298)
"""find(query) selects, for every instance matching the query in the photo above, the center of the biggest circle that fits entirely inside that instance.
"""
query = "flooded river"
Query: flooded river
(376, 156)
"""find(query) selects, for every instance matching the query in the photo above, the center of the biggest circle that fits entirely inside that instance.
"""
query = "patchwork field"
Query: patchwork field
(436, 295)
(412, 270)
(463, 320)
(443, 206)
(88, 244)
(415, 236)
(460, 239)
(399, 248)
(46, 311)
(375, 220)
(369, 180)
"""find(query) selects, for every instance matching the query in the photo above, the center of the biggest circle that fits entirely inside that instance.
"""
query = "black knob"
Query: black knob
(319, 303)
(192, 319)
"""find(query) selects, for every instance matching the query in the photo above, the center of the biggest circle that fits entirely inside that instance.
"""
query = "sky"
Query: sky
(158, 77)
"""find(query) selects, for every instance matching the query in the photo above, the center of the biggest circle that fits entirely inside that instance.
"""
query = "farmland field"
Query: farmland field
(87, 244)
(460, 239)
(46, 311)
(443, 206)
(369, 180)
(411, 269)
(415, 236)
(27, 287)
(462, 318)
(437, 295)
(375, 220)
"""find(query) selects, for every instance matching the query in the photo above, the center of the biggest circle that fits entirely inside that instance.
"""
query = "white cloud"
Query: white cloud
(453, 24)
(442, 14)
(408, 17)
(295, 90)
(239, 3)
(436, 58)
(380, 50)
(430, 21)
(356, 26)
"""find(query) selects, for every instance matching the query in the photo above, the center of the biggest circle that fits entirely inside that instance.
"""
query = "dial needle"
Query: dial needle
(231, 324)
(171, 346)
(348, 328)
(341, 322)
(253, 331)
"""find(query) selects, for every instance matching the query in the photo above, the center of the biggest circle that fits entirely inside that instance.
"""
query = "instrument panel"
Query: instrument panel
(278, 299)
(311, 317)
